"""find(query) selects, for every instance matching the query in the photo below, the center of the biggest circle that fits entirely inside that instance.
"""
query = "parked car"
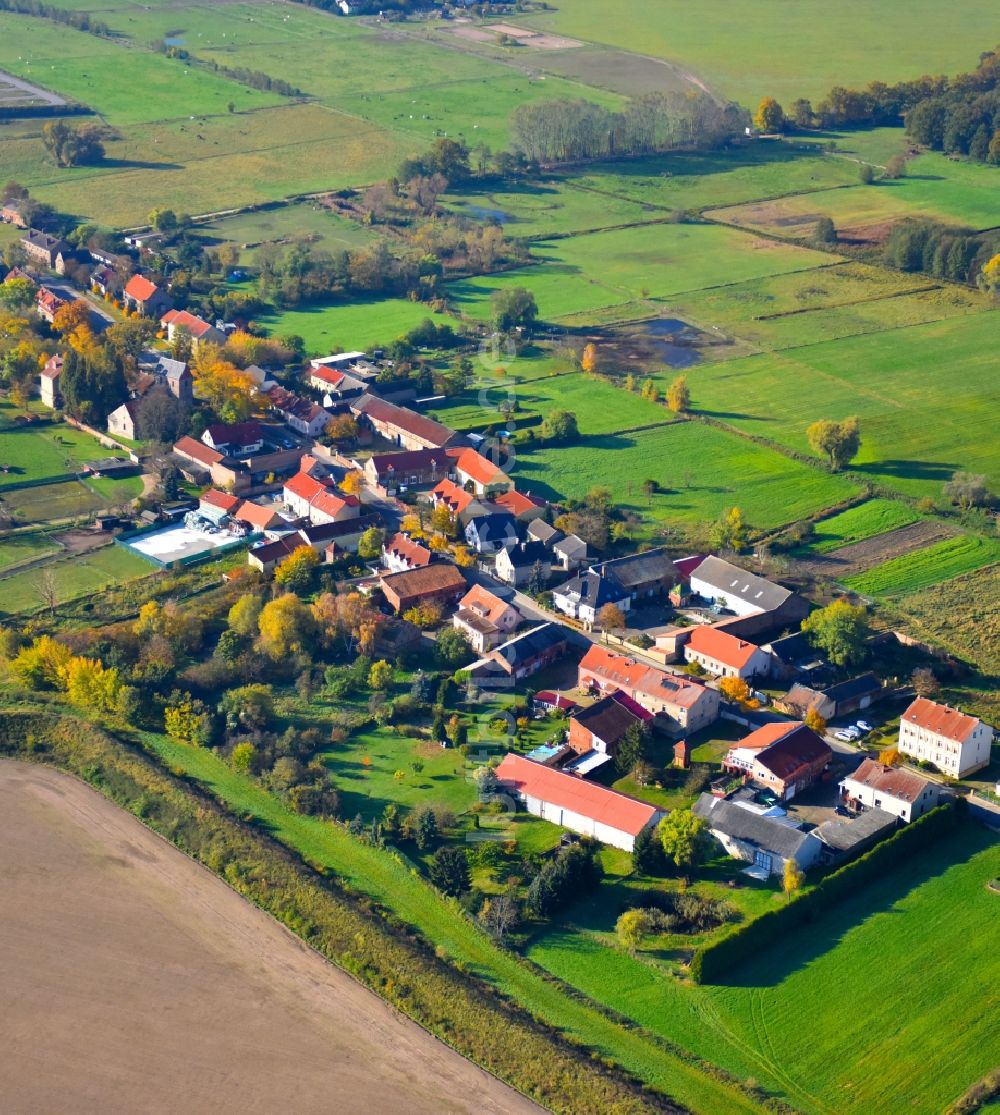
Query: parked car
(847, 735)
(863, 726)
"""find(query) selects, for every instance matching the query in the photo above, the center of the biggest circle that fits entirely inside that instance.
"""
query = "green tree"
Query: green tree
(647, 854)
(426, 830)
(631, 928)
(452, 649)
(968, 490)
(560, 425)
(729, 532)
(370, 543)
(838, 441)
(296, 572)
(243, 616)
(17, 294)
(826, 231)
(841, 630)
(866, 174)
(285, 626)
(682, 835)
(514, 308)
(449, 870)
(631, 748)
(242, 757)
(250, 706)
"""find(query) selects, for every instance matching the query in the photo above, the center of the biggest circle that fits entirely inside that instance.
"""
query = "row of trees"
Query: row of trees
(944, 251)
(569, 130)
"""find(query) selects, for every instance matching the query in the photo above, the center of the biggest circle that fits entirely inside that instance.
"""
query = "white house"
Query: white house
(400, 553)
(583, 596)
(743, 593)
(575, 803)
(123, 420)
(48, 382)
(725, 655)
(892, 789)
(484, 619)
(955, 743)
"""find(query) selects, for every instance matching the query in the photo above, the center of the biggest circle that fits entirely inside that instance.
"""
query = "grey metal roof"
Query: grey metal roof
(845, 836)
(766, 833)
(542, 531)
(639, 569)
(728, 578)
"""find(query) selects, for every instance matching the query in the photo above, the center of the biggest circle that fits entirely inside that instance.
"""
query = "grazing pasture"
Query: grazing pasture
(81, 575)
(20, 549)
(787, 50)
(361, 324)
(934, 1036)
(929, 566)
(701, 471)
(307, 221)
(44, 453)
(866, 520)
(920, 392)
(68, 499)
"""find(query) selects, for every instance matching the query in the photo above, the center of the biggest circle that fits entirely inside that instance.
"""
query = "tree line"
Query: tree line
(944, 251)
(255, 79)
(568, 130)
(79, 21)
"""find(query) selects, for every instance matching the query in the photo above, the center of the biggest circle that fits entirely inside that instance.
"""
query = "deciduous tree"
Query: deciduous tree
(296, 572)
(838, 441)
(841, 630)
(816, 722)
(285, 626)
(770, 116)
(735, 689)
(679, 395)
(792, 878)
(682, 835)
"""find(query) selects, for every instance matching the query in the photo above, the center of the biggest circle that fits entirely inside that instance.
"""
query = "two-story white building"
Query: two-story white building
(957, 744)
(892, 789)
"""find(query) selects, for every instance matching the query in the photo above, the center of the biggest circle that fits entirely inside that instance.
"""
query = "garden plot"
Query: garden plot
(859, 556)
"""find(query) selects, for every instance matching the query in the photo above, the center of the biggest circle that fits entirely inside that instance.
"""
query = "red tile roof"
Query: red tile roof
(320, 497)
(484, 603)
(195, 325)
(223, 500)
(722, 647)
(429, 578)
(518, 503)
(140, 288)
(409, 461)
(627, 673)
(617, 811)
(411, 552)
(785, 748)
(53, 367)
(686, 566)
(327, 375)
(254, 514)
(940, 719)
(417, 425)
(455, 497)
(478, 468)
(895, 781)
(198, 451)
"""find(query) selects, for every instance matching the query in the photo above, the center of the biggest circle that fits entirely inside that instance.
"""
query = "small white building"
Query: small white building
(574, 803)
(123, 421)
(892, 789)
(484, 619)
(957, 744)
(725, 655)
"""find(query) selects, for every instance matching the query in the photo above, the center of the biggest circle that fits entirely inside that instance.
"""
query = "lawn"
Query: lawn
(929, 566)
(788, 50)
(45, 453)
(74, 577)
(67, 500)
(701, 471)
(931, 1016)
(391, 882)
(308, 220)
(921, 393)
(866, 520)
(19, 549)
(355, 325)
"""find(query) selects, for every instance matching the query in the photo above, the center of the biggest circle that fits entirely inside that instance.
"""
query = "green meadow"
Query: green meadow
(308, 220)
(700, 471)
(922, 394)
(81, 575)
(46, 453)
(339, 328)
(866, 520)
(929, 566)
(885, 1003)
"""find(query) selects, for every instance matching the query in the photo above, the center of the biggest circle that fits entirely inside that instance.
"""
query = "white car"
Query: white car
(864, 727)
(848, 735)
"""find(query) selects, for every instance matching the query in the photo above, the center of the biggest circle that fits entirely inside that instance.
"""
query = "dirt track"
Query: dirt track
(134, 980)
(859, 556)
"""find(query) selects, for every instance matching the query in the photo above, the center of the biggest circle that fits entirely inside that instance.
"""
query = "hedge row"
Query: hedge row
(715, 959)
(346, 928)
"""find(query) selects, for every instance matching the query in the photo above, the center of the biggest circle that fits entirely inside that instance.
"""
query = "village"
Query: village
(620, 659)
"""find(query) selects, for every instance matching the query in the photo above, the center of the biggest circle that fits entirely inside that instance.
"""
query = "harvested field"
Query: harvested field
(859, 556)
(124, 961)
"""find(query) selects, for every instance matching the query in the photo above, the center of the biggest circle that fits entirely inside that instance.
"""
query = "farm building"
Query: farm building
(481, 475)
(404, 427)
(318, 502)
(900, 792)
(602, 727)
(954, 742)
(576, 804)
(582, 597)
(765, 842)
(199, 330)
(743, 593)
(415, 468)
(523, 506)
(489, 533)
(235, 439)
(569, 552)
(401, 552)
(143, 297)
(449, 494)
(516, 565)
(123, 421)
(842, 699)
(520, 657)
(441, 583)
(785, 758)
(302, 415)
(48, 251)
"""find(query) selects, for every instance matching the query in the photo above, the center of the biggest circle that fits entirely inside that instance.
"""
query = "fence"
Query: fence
(126, 538)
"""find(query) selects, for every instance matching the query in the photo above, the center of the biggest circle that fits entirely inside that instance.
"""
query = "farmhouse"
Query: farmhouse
(785, 758)
(303, 415)
(441, 583)
(538, 530)
(644, 575)
(318, 502)
(602, 727)
(143, 297)
(12, 212)
(484, 618)
(724, 655)
(681, 704)
(339, 361)
(216, 505)
(336, 385)
(404, 427)
(256, 516)
(955, 743)
(491, 532)
(123, 421)
(520, 657)
(570, 552)
(412, 469)
(48, 304)
(767, 843)
(48, 251)
(516, 565)
(322, 539)
(476, 472)
(234, 439)
(745, 594)
(583, 596)
(199, 330)
(844, 839)
(576, 804)
(48, 381)
(448, 494)
(401, 552)
(842, 699)
(897, 791)
(522, 506)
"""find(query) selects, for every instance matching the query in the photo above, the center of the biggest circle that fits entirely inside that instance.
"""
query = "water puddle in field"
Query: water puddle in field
(173, 40)
(672, 341)
(484, 213)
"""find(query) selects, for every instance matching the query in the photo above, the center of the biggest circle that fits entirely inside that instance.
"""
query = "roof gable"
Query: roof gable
(940, 719)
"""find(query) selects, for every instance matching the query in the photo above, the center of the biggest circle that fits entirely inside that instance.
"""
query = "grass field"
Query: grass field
(44, 453)
(81, 575)
(69, 499)
(701, 471)
(962, 614)
(357, 325)
(920, 392)
(868, 519)
(19, 549)
(926, 567)
(777, 50)
(309, 221)
(388, 880)
(927, 1005)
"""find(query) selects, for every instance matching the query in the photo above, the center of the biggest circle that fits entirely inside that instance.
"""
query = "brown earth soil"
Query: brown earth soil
(134, 980)
(860, 556)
